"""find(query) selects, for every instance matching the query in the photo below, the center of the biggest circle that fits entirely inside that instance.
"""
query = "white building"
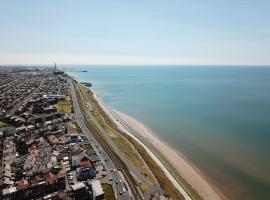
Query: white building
(98, 193)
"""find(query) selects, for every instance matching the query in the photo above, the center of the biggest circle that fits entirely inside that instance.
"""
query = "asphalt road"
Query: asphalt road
(112, 171)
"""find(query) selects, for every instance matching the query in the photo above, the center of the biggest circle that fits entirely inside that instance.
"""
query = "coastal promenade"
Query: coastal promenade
(184, 194)
(194, 185)
(113, 162)
(125, 129)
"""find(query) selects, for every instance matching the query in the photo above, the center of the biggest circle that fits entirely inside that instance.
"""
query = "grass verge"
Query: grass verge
(108, 191)
(166, 185)
(78, 128)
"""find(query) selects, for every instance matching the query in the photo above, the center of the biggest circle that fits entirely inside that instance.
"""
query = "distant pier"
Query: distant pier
(87, 84)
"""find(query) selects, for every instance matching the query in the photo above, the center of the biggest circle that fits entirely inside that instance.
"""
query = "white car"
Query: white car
(124, 190)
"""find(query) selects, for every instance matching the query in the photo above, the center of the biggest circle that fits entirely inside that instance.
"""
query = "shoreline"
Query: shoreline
(173, 158)
(126, 130)
(190, 173)
(188, 170)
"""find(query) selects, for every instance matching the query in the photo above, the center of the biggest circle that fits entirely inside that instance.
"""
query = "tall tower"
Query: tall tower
(54, 66)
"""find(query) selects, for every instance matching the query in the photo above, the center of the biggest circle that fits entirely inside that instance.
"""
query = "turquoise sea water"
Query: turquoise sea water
(219, 117)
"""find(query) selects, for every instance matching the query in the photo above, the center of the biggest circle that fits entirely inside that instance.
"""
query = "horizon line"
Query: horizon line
(147, 64)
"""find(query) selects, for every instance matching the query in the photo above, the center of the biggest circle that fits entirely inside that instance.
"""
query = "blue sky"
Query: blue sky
(135, 32)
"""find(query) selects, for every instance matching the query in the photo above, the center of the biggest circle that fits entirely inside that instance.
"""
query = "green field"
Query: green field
(64, 106)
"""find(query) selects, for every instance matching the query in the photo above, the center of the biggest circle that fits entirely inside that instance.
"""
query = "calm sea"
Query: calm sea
(219, 117)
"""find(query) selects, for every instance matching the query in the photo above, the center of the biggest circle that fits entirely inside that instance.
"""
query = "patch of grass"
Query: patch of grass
(189, 188)
(108, 191)
(64, 106)
(164, 182)
(88, 146)
(2, 124)
(78, 128)
(125, 147)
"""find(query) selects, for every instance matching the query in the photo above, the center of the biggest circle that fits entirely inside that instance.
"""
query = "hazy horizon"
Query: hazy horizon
(71, 66)
(142, 32)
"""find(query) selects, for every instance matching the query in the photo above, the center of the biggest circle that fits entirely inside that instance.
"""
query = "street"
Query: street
(113, 177)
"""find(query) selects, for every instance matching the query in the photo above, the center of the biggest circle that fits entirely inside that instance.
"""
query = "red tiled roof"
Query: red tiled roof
(22, 184)
(50, 178)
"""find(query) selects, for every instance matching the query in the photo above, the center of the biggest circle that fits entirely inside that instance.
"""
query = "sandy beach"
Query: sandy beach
(188, 171)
